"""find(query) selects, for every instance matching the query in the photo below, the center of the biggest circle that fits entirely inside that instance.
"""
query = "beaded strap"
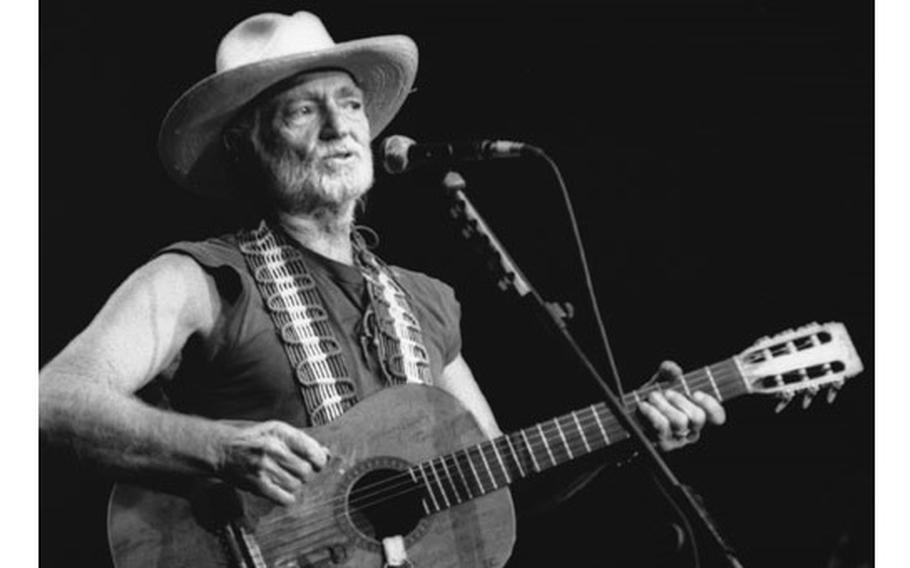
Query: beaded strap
(296, 309)
(400, 339)
(298, 313)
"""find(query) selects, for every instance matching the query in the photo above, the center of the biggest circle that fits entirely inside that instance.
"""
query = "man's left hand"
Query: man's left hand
(674, 418)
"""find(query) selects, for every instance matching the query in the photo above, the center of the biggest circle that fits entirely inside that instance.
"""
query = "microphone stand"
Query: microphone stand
(509, 275)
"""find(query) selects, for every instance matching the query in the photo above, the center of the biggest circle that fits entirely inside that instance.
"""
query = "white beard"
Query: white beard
(314, 187)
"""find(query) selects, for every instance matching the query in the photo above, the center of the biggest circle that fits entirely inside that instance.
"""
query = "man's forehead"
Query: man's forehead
(323, 81)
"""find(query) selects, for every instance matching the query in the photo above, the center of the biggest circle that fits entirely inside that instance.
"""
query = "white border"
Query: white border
(892, 97)
(18, 233)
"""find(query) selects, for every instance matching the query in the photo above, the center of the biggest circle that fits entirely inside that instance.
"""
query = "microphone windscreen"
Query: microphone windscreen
(394, 153)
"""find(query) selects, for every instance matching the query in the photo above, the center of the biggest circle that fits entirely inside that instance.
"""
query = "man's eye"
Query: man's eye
(300, 113)
(353, 104)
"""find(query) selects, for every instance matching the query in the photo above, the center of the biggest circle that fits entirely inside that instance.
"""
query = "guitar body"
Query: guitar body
(204, 524)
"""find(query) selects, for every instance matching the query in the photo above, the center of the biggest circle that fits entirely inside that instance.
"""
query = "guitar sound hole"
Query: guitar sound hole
(385, 502)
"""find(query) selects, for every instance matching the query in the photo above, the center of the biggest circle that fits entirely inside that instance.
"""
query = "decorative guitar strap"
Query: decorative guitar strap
(298, 313)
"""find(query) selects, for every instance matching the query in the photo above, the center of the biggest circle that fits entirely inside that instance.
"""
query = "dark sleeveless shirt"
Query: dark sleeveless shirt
(241, 371)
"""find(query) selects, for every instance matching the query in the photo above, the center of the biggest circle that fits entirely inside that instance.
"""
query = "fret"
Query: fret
(437, 501)
(600, 425)
(742, 375)
(564, 441)
(497, 474)
(515, 455)
(524, 456)
(636, 397)
(581, 432)
(479, 450)
(543, 438)
(429, 488)
(685, 386)
(453, 481)
(475, 487)
(444, 476)
(530, 451)
(464, 480)
(426, 507)
(480, 488)
(439, 484)
(714, 384)
(501, 464)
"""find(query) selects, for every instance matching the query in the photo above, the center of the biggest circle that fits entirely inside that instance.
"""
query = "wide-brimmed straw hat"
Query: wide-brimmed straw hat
(256, 54)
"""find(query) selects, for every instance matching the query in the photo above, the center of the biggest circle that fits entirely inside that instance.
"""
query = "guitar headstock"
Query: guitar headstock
(802, 360)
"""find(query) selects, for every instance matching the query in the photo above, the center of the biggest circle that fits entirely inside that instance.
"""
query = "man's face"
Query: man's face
(314, 139)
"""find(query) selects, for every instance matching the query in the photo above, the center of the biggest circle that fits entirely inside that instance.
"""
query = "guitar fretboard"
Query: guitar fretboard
(468, 473)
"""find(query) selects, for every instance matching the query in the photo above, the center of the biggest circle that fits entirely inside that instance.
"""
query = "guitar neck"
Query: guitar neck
(474, 471)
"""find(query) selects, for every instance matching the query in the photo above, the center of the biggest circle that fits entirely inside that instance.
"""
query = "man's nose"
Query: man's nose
(333, 123)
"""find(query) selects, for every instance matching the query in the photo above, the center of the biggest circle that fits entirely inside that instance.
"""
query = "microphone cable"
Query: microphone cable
(611, 360)
(585, 269)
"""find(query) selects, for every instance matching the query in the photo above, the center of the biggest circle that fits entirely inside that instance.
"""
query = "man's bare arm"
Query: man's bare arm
(458, 381)
(87, 393)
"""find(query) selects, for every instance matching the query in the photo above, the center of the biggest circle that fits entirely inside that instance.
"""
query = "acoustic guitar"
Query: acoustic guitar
(411, 461)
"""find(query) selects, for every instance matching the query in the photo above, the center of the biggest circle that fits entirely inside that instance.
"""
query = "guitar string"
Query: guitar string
(576, 447)
(301, 543)
(287, 537)
(594, 416)
(482, 448)
(630, 400)
(278, 545)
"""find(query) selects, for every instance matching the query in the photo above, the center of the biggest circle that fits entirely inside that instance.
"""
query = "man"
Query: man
(290, 323)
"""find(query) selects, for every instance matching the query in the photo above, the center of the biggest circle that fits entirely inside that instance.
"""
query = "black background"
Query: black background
(719, 155)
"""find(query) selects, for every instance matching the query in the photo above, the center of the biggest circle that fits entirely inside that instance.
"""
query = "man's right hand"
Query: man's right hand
(272, 459)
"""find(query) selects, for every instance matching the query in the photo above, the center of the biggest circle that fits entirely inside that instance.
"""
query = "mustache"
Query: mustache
(338, 149)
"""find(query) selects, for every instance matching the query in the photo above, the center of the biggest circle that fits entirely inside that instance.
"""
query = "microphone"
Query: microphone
(399, 154)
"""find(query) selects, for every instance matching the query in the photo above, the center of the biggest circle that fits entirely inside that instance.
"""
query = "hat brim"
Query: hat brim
(190, 141)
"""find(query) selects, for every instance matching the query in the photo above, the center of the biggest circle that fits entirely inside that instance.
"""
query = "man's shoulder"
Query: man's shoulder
(224, 243)
(212, 252)
(176, 274)
(218, 259)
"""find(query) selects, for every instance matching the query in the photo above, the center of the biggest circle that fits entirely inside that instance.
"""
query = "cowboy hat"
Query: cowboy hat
(256, 54)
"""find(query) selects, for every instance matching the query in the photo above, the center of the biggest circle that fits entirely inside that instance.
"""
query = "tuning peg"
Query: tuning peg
(785, 398)
(809, 396)
(833, 389)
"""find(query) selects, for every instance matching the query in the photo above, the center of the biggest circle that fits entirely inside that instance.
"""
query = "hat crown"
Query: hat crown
(268, 36)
